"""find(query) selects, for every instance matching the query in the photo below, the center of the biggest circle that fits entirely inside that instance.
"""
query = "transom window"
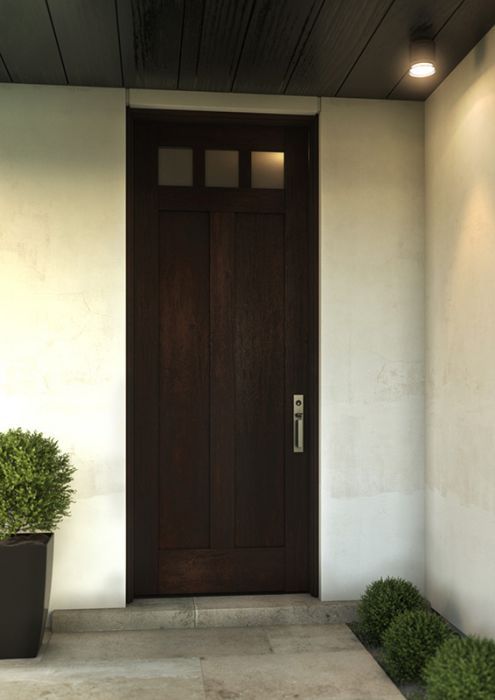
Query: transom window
(221, 168)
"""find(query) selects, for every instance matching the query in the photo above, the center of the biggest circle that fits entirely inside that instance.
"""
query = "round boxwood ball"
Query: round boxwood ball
(462, 669)
(35, 483)
(381, 602)
(411, 639)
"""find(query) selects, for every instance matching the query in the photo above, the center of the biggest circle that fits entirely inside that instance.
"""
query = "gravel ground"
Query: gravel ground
(411, 691)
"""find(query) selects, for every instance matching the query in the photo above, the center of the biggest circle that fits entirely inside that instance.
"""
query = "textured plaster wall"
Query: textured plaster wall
(62, 304)
(372, 343)
(460, 232)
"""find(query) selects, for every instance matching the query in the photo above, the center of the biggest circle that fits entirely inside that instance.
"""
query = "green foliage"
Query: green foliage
(411, 639)
(381, 602)
(462, 669)
(35, 478)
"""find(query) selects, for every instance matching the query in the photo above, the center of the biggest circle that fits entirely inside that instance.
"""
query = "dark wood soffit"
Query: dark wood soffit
(337, 41)
(211, 51)
(150, 41)
(276, 37)
(28, 44)
(348, 48)
(98, 63)
(4, 75)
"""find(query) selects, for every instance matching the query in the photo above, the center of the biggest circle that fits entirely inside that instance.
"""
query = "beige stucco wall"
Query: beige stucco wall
(460, 232)
(372, 343)
(62, 302)
(62, 369)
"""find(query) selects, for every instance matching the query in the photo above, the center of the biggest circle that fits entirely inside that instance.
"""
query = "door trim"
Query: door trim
(192, 117)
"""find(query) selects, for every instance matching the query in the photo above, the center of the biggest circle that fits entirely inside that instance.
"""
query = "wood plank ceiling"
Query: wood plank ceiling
(343, 48)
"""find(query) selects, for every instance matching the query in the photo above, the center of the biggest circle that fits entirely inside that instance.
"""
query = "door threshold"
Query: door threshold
(207, 611)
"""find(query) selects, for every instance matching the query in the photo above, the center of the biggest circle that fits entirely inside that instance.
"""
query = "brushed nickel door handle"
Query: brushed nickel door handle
(298, 422)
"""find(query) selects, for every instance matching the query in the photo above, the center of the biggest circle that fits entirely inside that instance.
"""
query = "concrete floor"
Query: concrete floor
(305, 662)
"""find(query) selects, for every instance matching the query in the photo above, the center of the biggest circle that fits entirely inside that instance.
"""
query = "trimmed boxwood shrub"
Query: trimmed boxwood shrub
(411, 639)
(381, 602)
(462, 669)
(35, 483)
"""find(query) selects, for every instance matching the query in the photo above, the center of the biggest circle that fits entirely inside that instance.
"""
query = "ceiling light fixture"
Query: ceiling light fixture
(422, 53)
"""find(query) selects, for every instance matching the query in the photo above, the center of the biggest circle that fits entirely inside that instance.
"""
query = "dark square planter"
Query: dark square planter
(25, 580)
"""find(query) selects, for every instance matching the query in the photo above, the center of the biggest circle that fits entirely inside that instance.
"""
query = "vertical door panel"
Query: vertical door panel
(222, 380)
(259, 380)
(184, 253)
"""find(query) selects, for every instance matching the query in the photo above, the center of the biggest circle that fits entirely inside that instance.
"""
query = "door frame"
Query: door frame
(196, 117)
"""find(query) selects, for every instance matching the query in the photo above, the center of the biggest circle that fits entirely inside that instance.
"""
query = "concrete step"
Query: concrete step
(206, 611)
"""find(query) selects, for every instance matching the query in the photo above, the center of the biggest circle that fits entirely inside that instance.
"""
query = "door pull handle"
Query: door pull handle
(298, 421)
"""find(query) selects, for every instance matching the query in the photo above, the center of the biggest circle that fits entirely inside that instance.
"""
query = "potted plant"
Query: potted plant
(35, 494)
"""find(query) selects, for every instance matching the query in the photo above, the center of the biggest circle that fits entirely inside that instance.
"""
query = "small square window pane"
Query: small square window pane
(175, 167)
(267, 169)
(222, 168)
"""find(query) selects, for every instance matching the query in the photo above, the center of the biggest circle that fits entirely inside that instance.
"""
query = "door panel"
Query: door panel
(222, 436)
(184, 401)
(221, 341)
(219, 571)
(259, 380)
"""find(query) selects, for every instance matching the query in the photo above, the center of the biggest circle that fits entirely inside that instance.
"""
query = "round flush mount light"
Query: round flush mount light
(422, 53)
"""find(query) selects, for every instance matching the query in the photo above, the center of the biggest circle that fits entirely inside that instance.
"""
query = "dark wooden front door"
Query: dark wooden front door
(221, 341)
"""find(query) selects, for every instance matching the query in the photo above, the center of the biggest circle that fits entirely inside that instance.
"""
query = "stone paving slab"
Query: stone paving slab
(311, 638)
(306, 662)
(156, 644)
(339, 675)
